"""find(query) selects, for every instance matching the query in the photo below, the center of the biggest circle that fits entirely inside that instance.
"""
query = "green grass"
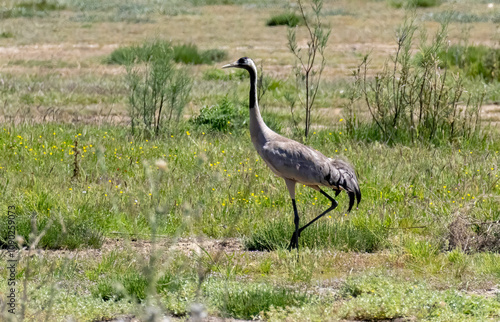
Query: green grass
(132, 285)
(289, 19)
(41, 5)
(414, 3)
(379, 297)
(423, 244)
(54, 92)
(30, 9)
(139, 53)
(223, 117)
(462, 17)
(186, 53)
(247, 301)
(6, 34)
(56, 233)
(119, 186)
(190, 54)
(355, 233)
(217, 74)
(42, 63)
(475, 61)
(268, 285)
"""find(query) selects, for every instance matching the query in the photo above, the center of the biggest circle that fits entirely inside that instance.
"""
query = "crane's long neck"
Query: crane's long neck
(258, 128)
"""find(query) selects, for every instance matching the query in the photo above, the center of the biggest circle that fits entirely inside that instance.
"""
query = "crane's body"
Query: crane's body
(295, 162)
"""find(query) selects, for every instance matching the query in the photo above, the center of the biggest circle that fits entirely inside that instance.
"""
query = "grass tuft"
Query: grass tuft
(289, 19)
(186, 54)
(31, 9)
(190, 54)
(380, 298)
(6, 34)
(414, 3)
(222, 117)
(217, 74)
(70, 233)
(248, 300)
(359, 234)
(132, 285)
(476, 61)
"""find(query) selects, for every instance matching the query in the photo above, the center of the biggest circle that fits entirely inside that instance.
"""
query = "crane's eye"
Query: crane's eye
(242, 60)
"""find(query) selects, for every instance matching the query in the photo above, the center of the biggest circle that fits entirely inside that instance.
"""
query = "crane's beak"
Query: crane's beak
(230, 65)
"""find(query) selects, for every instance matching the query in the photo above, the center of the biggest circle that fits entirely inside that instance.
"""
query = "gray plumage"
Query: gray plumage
(293, 161)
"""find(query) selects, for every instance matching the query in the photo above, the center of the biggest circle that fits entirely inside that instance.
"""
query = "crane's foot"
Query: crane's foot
(294, 242)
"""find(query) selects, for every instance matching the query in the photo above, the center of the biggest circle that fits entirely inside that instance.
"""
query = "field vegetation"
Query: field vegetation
(125, 151)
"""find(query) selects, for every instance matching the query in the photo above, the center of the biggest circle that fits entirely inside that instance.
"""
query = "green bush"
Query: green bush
(460, 17)
(289, 19)
(6, 34)
(186, 54)
(414, 3)
(189, 54)
(214, 55)
(476, 61)
(30, 9)
(151, 50)
(407, 105)
(42, 5)
(158, 93)
(217, 74)
(222, 116)
(213, 2)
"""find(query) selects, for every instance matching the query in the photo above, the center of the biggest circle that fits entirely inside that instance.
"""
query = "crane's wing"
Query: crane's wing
(295, 161)
(292, 160)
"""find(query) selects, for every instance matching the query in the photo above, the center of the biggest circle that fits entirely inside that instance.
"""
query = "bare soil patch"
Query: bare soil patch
(144, 247)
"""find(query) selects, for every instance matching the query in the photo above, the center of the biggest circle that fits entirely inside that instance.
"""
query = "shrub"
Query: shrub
(413, 100)
(30, 9)
(158, 93)
(42, 5)
(138, 54)
(187, 54)
(6, 34)
(310, 63)
(217, 74)
(289, 19)
(468, 235)
(222, 116)
(460, 17)
(476, 61)
(214, 55)
(414, 3)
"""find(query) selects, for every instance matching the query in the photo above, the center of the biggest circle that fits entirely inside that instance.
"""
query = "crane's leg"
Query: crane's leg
(294, 243)
(333, 206)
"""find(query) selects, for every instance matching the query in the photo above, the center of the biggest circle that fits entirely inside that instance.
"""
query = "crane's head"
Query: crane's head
(243, 62)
